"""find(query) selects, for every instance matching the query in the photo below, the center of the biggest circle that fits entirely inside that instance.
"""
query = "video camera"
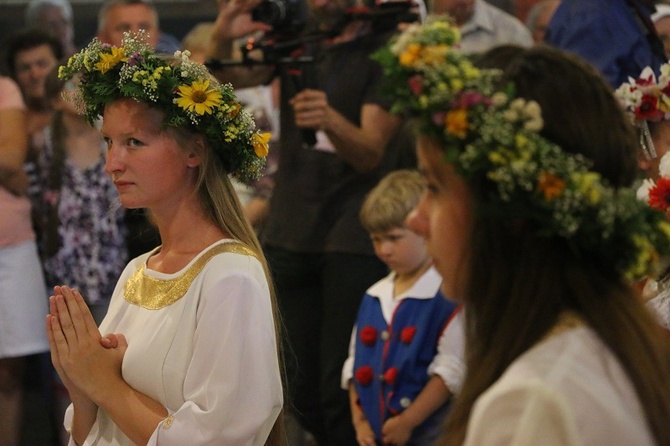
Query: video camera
(289, 19)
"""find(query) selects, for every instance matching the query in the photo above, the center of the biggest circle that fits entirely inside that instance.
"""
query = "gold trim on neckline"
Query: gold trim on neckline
(153, 294)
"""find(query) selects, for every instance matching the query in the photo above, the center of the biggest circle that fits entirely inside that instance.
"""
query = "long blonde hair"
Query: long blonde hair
(222, 206)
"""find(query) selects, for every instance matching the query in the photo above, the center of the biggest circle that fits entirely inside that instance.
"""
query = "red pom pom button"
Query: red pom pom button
(364, 375)
(368, 335)
(391, 375)
(407, 334)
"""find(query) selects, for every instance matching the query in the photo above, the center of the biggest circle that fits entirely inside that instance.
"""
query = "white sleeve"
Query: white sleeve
(232, 387)
(527, 415)
(449, 362)
(348, 367)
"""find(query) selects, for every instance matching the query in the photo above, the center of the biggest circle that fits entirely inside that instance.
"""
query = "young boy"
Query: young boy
(403, 364)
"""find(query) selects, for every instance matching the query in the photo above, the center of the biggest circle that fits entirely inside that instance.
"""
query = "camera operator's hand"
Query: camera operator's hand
(361, 145)
(234, 20)
(311, 109)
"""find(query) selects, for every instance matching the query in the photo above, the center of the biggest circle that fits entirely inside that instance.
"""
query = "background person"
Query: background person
(661, 19)
(615, 36)
(482, 25)
(22, 289)
(403, 329)
(539, 16)
(653, 126)
(192, 356)
(118, 16)
(54, 16)
(30, 55)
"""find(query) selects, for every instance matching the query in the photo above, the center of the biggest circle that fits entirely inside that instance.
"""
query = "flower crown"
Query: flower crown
(492, 135)
(184, 90)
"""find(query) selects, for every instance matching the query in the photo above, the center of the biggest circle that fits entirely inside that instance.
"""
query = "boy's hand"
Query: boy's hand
(396, 431)
(364, 433)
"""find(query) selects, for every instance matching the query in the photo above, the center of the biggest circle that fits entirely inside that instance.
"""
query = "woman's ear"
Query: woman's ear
(198, 147)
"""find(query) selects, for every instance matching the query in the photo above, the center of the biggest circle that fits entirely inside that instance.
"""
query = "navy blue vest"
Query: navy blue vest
(391, 361)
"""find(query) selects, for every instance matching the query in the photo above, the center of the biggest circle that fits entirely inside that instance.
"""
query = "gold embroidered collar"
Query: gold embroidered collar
(153, 294)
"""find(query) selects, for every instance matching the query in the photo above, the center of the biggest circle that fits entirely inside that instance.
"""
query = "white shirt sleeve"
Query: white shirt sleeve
(232, 388)
(529, 414)
(449, 362)
(348, 368)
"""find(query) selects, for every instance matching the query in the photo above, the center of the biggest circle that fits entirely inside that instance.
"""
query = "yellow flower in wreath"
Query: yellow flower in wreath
(198, 97)
(456, 122)
(109, 60)
(261, 144)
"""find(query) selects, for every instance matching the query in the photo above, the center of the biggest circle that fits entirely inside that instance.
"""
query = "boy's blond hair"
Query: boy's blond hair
(387, 205)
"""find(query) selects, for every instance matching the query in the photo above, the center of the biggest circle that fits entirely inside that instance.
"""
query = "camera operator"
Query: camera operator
(337, 140)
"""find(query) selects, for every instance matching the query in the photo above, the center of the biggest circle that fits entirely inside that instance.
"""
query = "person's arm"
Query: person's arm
(398, 429)
(364, 433)
(233, 22)
(361, 146)
(13, 149)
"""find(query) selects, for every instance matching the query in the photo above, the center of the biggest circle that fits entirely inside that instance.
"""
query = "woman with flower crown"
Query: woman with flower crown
(190, 353)
(531, 223)
(647, 103)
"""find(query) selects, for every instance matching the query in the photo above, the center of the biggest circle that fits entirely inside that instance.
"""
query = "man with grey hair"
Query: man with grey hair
(54, 16)
(118, 16)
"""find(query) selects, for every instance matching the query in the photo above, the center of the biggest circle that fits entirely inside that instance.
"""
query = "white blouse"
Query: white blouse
(569, 390)
(210, 356)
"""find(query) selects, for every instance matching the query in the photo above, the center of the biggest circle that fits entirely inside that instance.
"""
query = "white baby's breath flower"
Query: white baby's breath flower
(534, 124)
(517, 104)
(511, 115)
(643, 191)
(499, 98)
(532, 110)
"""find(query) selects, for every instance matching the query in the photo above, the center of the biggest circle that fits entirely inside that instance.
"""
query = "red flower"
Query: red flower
(368, 335)
(364, 375)
(659, 195)
(407, 334)
(390, 375)
(416, 84)
(648, 109)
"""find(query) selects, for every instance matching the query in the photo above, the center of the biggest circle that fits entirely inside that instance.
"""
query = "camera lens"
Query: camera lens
(272, 12)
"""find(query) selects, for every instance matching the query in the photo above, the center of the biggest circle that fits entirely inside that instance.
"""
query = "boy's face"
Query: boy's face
(400, 249)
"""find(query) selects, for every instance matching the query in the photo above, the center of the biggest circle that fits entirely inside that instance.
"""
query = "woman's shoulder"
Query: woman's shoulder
(229, 257)
(569, 357)
(571, 382)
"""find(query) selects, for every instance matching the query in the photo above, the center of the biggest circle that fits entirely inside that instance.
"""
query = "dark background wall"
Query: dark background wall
(177, 17)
